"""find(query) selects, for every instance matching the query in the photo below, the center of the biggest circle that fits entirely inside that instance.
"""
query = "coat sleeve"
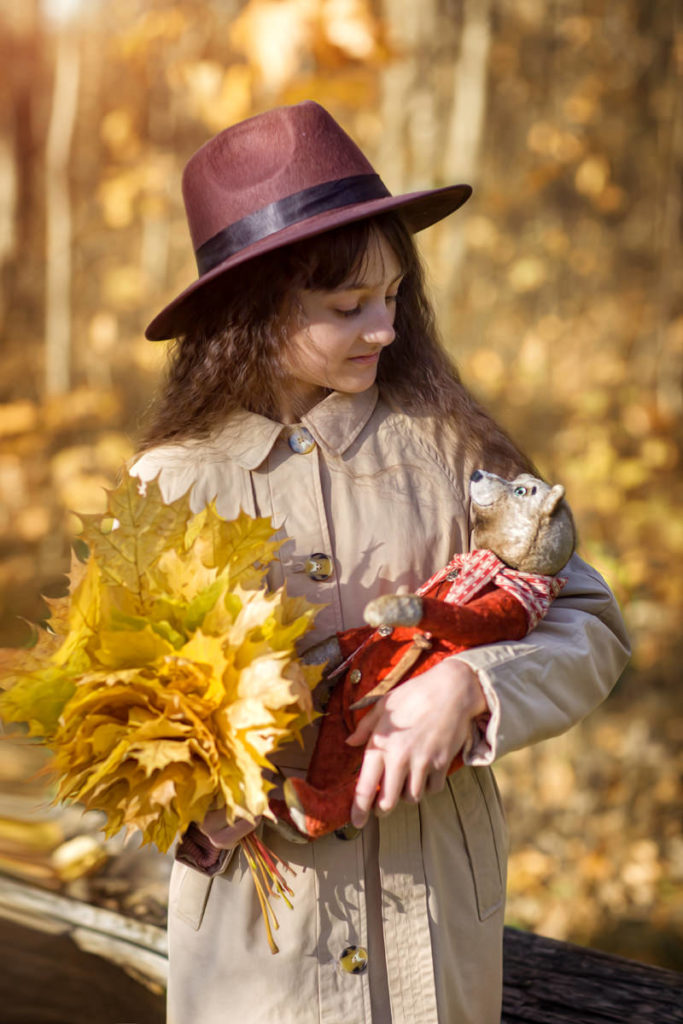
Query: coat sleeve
(539, 686)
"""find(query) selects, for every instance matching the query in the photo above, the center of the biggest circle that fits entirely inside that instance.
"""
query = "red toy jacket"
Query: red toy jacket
(475, 599)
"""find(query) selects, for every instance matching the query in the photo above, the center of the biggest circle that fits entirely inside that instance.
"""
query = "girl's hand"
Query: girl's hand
(226, 836)
(413, 734)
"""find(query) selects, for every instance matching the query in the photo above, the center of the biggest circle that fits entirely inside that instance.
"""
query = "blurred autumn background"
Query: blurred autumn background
(559, 294)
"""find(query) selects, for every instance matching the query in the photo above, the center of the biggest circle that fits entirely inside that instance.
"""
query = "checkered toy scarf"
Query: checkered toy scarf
(470, 573)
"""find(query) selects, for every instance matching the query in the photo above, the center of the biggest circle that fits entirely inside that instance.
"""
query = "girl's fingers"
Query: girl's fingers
(366, 726)
(412, 735)
(223, 835)
(369, 779)
(393, 781)
(416, 782)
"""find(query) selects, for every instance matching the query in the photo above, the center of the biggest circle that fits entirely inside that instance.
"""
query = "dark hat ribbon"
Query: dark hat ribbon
(330, 195)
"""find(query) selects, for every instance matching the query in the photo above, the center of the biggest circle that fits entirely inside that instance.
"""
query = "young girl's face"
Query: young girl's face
(338, 337)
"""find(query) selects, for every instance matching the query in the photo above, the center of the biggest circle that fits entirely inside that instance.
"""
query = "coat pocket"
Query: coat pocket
(483, 827)
(189, 894)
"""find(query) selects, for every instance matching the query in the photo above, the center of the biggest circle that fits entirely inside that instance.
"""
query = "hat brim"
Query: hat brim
(419, 209)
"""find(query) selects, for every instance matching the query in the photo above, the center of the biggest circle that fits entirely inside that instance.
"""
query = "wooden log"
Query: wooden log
(67, 962)
(47, 979)
(37, 908)
(550, 982)
(89, 962)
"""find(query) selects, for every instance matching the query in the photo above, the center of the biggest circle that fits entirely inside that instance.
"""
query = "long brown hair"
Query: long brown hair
(232, 356)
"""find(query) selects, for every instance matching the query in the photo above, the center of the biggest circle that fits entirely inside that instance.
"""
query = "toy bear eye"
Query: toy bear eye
(520, 491)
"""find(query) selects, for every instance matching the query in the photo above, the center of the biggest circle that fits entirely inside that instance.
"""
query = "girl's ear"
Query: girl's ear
(552, 501)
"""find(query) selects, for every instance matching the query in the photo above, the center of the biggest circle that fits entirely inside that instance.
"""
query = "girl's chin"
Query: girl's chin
(356, 384)
(360, 379)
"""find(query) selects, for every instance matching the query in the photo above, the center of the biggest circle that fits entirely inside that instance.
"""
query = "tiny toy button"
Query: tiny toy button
(354, 959)
(453, 574)
(318, 566)
(385, 630)
(301, 441)
(355, 676)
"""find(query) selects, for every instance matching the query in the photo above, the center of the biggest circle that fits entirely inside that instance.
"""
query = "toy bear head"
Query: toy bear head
(525, 522)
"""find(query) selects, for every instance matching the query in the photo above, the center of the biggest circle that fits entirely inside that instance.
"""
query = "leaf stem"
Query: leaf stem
(268, 881)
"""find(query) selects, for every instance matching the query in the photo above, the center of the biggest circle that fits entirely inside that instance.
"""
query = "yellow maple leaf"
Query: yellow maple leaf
(171, 675)
(126, 648)
(181, 576)
(134, 531)
(37, 699)
(235, 545)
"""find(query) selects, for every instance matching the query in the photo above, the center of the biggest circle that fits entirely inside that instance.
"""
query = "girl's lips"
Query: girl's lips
(365, 360)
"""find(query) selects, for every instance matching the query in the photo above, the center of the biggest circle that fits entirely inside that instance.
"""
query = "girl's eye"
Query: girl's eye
(519, 491)
(346, 313)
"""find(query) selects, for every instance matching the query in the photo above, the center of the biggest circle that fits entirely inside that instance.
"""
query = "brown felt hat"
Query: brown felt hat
(276, 178)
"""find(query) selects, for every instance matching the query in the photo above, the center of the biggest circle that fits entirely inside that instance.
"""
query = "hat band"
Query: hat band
(300, 206)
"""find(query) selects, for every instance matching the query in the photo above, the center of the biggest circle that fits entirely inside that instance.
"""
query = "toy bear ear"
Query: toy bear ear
(552, 500)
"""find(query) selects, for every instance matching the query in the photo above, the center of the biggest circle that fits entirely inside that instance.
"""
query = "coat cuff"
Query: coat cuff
(538, 687)
(480, 745)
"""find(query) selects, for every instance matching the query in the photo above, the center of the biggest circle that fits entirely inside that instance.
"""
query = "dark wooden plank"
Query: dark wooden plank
(47, 979)
(549, 982)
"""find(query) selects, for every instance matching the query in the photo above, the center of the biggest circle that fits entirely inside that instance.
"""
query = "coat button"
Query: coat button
(301, 441)
(318, 566)
(355, 676)
(354, 959)
(385, 630)
(347, 832)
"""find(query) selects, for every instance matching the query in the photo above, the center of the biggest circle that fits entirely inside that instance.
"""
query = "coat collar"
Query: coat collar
(335, 423)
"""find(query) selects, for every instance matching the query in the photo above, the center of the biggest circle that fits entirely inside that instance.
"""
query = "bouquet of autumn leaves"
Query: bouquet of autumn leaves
(168, 674)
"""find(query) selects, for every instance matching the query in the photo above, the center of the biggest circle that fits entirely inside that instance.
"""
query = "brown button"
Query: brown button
(319, 566)
(347, 832)
(355, 676)
(354, 959)
(301, 440)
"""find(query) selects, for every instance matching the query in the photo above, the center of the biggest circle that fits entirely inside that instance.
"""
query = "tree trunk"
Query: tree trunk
(21, 229)
(464, 132)
(669, 355)
(58, 215)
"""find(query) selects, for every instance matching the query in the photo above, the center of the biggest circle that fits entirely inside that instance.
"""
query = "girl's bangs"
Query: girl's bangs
(325, 262)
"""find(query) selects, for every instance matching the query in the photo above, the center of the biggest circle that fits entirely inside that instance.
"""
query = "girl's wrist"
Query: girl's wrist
(473, 692)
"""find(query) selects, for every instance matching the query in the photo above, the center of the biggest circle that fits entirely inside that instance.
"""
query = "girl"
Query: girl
(308, 385)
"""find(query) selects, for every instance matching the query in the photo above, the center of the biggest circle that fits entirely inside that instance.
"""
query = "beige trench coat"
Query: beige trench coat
(423, 888)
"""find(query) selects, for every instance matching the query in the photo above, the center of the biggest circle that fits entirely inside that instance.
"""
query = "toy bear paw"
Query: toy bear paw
(394, 610)
(284, 824)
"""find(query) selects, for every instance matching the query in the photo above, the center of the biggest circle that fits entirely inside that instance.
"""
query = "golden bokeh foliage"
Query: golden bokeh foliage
(558, 291)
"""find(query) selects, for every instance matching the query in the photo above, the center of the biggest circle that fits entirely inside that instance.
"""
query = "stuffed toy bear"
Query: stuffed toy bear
(523, 534)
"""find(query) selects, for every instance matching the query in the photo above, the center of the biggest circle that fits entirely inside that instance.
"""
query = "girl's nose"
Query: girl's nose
(380, 329)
